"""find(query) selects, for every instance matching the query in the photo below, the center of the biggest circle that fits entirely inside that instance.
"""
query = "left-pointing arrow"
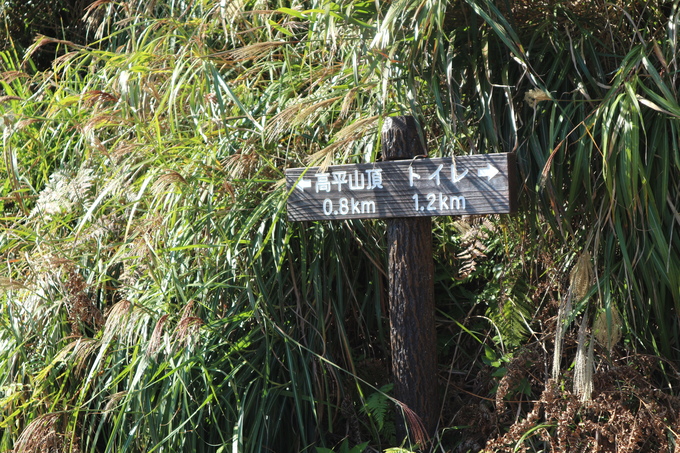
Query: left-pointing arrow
(304, 184)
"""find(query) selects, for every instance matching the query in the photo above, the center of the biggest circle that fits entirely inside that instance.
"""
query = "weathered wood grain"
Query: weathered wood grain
(413, 337)
(459, 185)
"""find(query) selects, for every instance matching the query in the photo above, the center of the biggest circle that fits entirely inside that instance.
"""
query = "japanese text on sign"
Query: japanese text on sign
(423, 187)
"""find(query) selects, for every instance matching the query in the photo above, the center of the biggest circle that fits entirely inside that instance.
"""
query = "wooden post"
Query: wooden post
(406, 192)
(411, 296)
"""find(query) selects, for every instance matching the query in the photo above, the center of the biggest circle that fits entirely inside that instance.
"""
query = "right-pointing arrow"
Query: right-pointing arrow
(488, 172)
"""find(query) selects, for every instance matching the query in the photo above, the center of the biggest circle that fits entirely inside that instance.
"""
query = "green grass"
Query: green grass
(154, 296)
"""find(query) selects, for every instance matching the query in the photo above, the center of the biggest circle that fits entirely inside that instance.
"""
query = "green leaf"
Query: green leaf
(291, 12)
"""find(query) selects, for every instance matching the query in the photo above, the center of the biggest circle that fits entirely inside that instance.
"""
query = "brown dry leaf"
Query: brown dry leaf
(607, 329)
(4, 99)
(533, 97)
(10, 76)
(581, 277)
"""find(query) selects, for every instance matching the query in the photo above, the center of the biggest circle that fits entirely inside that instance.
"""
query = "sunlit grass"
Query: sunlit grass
(154, 297)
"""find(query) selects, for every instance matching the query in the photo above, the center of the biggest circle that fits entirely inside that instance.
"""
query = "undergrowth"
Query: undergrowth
(154, 296)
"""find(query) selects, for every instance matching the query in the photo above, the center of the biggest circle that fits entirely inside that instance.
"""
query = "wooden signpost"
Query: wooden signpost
(462, 185)
(407, 190)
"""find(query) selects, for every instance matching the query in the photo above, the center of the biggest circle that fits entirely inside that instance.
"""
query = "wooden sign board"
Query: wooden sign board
(461, 185)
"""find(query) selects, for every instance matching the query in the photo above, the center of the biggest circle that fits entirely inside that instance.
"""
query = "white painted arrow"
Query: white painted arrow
(304, 184)
(488, 172)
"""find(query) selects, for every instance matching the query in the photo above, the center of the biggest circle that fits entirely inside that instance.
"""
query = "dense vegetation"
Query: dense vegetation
(154, 297)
